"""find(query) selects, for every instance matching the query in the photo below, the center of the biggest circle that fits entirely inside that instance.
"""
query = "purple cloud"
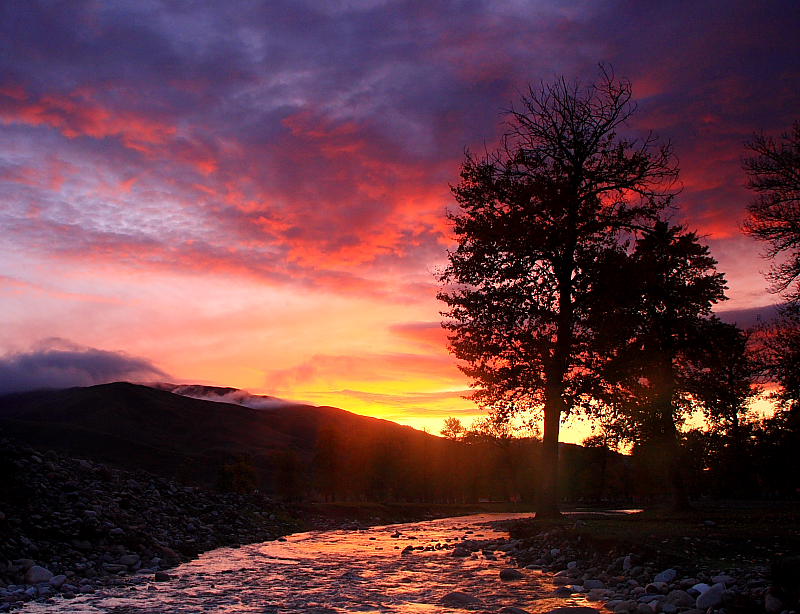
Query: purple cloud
(56, 363)
(315, 141)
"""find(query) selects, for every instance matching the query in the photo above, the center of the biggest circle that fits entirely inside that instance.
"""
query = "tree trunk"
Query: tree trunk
(547, 497)
(547, 506)
(680, 497)
(671, 447)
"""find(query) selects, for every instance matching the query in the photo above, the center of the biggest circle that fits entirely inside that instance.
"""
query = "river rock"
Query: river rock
(699, 588)
(57, 581)
(24, 564)
(161, 576)
(590, 584)
(37, 574)
(114, 567)
(657, 588)
(710, 598)
(668, 575)
(598, 594)
(680, 598)
(723, 579)
(573, 610)
(510, 574)
(510, 609)
(772, 604)
(458, 599)
(564, 581)
(129, 559)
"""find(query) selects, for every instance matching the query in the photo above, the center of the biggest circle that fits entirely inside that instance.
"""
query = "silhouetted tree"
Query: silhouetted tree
(776, 441)
(726, 383)
(534, 216)
(599, 446)
(660, 321)
(725, 380)
(779, 355)
(774, 216)
(452, 429)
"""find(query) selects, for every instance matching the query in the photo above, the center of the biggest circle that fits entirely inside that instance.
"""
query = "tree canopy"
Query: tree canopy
(773, 172)
(535, 216)
(659, 340)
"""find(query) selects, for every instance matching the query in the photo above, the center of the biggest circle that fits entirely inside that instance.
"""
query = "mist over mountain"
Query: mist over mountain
(222, 394)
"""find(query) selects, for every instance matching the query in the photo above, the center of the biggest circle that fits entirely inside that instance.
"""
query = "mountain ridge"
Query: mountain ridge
(142, 427)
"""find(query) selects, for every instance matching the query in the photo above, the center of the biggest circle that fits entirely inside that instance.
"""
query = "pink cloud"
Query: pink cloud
(77, 114)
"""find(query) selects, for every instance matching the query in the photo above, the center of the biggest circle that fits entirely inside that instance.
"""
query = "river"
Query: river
(333, 572)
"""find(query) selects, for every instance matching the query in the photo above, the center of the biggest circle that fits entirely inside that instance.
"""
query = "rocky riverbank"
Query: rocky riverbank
(625, 579)
(70, 526)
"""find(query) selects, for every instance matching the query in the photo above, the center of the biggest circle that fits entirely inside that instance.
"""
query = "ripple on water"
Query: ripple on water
(333, 572)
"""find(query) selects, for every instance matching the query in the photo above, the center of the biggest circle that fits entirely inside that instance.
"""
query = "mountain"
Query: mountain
(291, 450)
(142, 427)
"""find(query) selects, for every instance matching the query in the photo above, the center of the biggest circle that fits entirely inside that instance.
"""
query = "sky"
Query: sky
(253, 194)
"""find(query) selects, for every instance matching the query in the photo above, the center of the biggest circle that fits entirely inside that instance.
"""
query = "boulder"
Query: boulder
(680, 598)
(129, 559)
(57, 581)
(510, 574)
(657, 588)
(598, 594)
(710, 598)
(772, 604)
(668, 575)
(37, 574)
(699, 588)
(723, 579)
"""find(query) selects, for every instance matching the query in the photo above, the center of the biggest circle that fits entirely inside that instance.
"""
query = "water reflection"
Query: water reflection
(406, 568)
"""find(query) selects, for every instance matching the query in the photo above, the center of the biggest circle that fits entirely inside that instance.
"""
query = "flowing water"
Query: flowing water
(334, 572)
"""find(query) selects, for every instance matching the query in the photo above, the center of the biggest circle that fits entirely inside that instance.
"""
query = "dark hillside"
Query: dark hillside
(139, 427)
(297, 452)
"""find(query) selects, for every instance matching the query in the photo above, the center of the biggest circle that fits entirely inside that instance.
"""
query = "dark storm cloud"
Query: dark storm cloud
(56, 363)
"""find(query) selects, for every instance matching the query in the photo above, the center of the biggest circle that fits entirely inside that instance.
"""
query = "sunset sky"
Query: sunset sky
(253, 194)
